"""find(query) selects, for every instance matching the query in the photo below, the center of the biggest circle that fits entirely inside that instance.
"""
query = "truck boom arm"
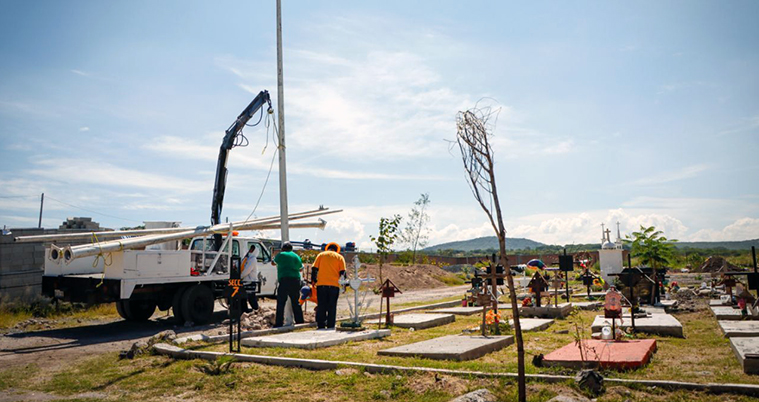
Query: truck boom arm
(226, 145)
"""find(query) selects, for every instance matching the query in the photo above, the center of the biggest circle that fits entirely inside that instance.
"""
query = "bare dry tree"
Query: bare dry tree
(474, 129)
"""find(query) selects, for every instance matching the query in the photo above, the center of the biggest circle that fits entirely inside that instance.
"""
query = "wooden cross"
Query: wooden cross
(485, 298)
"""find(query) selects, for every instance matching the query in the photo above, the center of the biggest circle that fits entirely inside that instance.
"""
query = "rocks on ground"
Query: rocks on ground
(569, 398)
(145, 346)
(480, 395)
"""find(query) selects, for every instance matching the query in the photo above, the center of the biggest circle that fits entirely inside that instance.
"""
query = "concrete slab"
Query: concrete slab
(417, 321)
(533, 324)
(587, 305)
(659, 324)
(739, 329)
(464, 310)
(451, 347)
(560, 311)
(616, 355)
(729, 313)
(312, 339)
(716, 302)
(747, 352)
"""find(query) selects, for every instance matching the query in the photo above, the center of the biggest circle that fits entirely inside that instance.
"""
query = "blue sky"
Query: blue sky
(642, 113)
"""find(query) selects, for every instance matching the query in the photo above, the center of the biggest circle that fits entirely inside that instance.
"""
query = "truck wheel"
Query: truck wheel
(122, 310)
(197, 304)
(139, 310)
(176, 305)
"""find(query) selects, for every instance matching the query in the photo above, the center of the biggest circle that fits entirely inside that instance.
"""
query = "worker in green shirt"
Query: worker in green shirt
(288, 274)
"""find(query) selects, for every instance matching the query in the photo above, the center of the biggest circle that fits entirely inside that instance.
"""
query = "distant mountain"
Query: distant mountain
(729, 245)
(485, 243)
(491, 242)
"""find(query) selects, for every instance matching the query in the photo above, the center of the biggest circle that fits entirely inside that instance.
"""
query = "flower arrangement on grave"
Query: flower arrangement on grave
(493, 320)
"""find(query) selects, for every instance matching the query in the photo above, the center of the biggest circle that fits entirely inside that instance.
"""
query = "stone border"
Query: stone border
(312, 364)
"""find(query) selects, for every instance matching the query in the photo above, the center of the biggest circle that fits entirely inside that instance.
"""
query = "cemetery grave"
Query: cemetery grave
(417, 321)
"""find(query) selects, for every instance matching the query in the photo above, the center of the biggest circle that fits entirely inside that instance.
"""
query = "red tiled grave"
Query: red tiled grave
(617, 355)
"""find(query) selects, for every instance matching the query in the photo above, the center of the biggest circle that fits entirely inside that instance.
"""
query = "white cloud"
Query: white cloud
(78, 171)
(84, 128)
(741, 229)
(189, 149)
(80, 72)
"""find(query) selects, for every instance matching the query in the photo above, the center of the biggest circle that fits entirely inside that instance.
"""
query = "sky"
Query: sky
(643, 113)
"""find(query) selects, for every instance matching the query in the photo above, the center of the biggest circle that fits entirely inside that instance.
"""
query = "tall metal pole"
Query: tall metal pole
(285, 225)
(42, 202)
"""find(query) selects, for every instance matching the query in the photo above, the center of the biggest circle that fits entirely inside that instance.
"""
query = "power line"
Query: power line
(92, 211)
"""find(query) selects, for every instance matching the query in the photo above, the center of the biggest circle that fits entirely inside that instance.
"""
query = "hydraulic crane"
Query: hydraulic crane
(232, 138)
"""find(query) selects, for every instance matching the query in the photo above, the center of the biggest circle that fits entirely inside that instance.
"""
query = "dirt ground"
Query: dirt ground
(418, 276)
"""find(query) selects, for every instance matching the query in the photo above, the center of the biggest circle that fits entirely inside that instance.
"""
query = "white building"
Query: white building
(610, 255)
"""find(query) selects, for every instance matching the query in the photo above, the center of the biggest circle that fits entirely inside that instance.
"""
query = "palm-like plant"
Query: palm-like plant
(651, 248)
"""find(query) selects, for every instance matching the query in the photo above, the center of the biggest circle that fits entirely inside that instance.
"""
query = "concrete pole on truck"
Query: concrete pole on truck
(42, 202)
(285, 227)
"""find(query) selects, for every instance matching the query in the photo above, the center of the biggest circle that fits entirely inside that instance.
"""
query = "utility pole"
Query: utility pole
(42, 202)
(283, 213)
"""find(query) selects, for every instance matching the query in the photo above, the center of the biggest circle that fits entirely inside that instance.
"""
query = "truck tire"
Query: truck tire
(139, 310)
(122, 310)
(197, 304)
(176, 306)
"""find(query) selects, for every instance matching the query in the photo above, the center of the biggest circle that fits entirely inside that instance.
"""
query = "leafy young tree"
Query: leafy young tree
(650, 247)
(415, 234)
(388, 233)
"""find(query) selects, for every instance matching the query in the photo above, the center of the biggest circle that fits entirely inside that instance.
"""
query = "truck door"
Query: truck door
(268, 272)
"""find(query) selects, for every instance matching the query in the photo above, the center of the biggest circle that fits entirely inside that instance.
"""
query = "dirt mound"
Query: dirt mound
(717, 264)
(419, 276)
(689, 301)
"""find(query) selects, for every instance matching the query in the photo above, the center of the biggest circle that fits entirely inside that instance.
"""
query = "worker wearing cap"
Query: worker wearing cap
(288, 274)
(327, 269)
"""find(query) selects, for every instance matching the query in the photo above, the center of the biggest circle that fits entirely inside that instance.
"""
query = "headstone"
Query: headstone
(313, 339)
(728, 313)
(738, 329)
(533, 324)
(615, 355)
(588, 305)
(451, 347)
(747, 351)
(462, 310)
(420, 321)
(561, 311)
(658, 324)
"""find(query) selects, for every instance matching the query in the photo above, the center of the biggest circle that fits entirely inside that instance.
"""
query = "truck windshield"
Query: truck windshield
(197, 244)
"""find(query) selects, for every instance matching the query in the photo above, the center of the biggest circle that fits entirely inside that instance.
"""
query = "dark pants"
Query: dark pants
(327, 307)
(253, 301)
(288, 287)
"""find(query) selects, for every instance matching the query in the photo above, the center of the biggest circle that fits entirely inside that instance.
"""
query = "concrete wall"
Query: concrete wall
(22, 264)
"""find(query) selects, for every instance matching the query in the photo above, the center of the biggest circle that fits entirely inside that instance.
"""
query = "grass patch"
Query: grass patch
(17, 376)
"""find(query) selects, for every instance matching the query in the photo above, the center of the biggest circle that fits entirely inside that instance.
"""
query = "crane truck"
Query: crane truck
(188, 281)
